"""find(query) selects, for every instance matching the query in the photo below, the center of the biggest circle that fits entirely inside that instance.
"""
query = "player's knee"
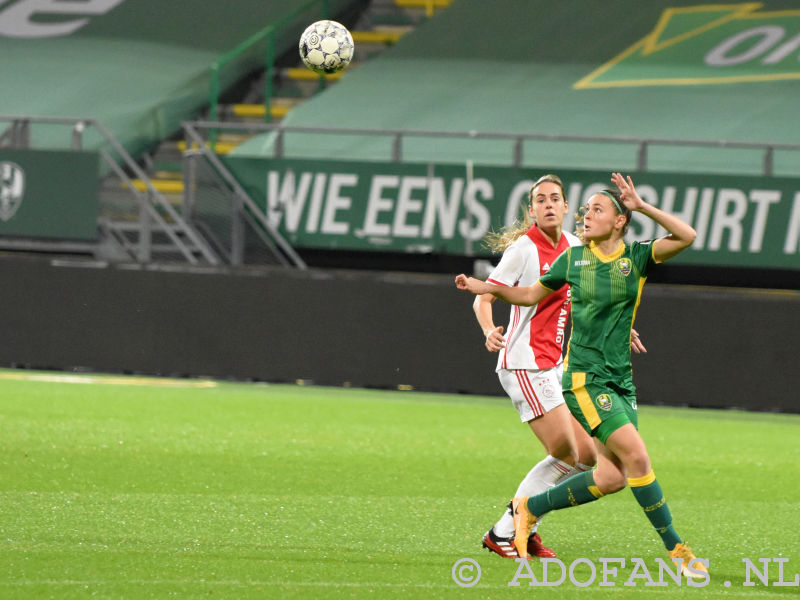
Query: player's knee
(638, 464)
(587, 455)
(611, 483)
(565, 454)
(611, 486)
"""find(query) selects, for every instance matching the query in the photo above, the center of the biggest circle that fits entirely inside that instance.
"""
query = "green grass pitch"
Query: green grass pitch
(140, 488)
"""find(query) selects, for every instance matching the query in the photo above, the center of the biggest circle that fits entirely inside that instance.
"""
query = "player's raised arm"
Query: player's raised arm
(522, 296)
(681, 235)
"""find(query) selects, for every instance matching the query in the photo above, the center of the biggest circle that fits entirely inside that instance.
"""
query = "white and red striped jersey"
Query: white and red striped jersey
(535, 334)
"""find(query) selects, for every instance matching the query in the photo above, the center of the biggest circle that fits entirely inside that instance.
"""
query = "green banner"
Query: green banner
(448, 209)
(49, 194)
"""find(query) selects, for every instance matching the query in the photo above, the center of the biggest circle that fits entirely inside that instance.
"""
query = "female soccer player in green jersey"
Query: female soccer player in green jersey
(606, 277)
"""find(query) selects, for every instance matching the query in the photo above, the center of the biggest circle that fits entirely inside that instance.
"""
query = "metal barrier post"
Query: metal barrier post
(641, 157)
(517, 152)
(269, 75)
(145, 234)
(277, 148)
(397, 147)
(237, 231)
(189, 178)
(768, 161)
(213, 105)
(77, 135)
(21, 133)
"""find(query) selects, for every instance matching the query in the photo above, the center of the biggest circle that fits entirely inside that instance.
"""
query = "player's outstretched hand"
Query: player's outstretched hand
(630, 198)
(470, 284)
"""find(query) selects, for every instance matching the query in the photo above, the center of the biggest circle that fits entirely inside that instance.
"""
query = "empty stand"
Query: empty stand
(569, 70)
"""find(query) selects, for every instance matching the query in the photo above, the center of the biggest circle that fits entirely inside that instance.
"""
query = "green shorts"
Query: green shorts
(599, 405)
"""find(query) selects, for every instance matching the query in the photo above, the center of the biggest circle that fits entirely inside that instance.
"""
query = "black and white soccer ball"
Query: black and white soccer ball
(326, 47)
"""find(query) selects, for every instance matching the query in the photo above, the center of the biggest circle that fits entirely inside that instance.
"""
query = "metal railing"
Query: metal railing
(236, 215)
(267, 36)
(228, 218)
(155, 213)
(516, 159)
(243, 210)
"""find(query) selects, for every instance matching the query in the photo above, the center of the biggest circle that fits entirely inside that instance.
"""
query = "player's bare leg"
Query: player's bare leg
(628, 447)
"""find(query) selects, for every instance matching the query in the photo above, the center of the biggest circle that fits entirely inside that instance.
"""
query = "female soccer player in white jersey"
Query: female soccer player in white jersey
(529, 363)
(606, 277)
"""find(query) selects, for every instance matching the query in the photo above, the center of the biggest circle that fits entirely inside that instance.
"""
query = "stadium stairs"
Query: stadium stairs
(375, 25)
(378, 27)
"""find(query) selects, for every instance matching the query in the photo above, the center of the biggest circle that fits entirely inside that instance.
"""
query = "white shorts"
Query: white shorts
(533, 392)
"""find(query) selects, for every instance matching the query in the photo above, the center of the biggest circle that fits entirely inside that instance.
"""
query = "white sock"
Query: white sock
(540, 478)
(579, 468)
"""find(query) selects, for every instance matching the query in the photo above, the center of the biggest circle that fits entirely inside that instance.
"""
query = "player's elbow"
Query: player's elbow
(482, 299)
(519, 297)
(683, 239)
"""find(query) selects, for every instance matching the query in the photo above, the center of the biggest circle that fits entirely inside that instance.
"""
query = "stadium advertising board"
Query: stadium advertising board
(49, 194)
(740, 221)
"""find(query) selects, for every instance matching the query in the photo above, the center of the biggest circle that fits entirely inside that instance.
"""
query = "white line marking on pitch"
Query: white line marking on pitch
(106, 380)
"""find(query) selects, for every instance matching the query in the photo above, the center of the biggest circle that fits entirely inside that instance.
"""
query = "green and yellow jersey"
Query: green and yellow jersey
(606, 290)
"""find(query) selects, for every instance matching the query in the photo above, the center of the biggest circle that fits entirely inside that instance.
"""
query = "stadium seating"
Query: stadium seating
(140, 68)
(575, 90)
(476, 66)
(567, 69)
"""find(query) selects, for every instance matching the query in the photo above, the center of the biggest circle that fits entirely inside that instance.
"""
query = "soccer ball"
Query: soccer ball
(326, 47)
